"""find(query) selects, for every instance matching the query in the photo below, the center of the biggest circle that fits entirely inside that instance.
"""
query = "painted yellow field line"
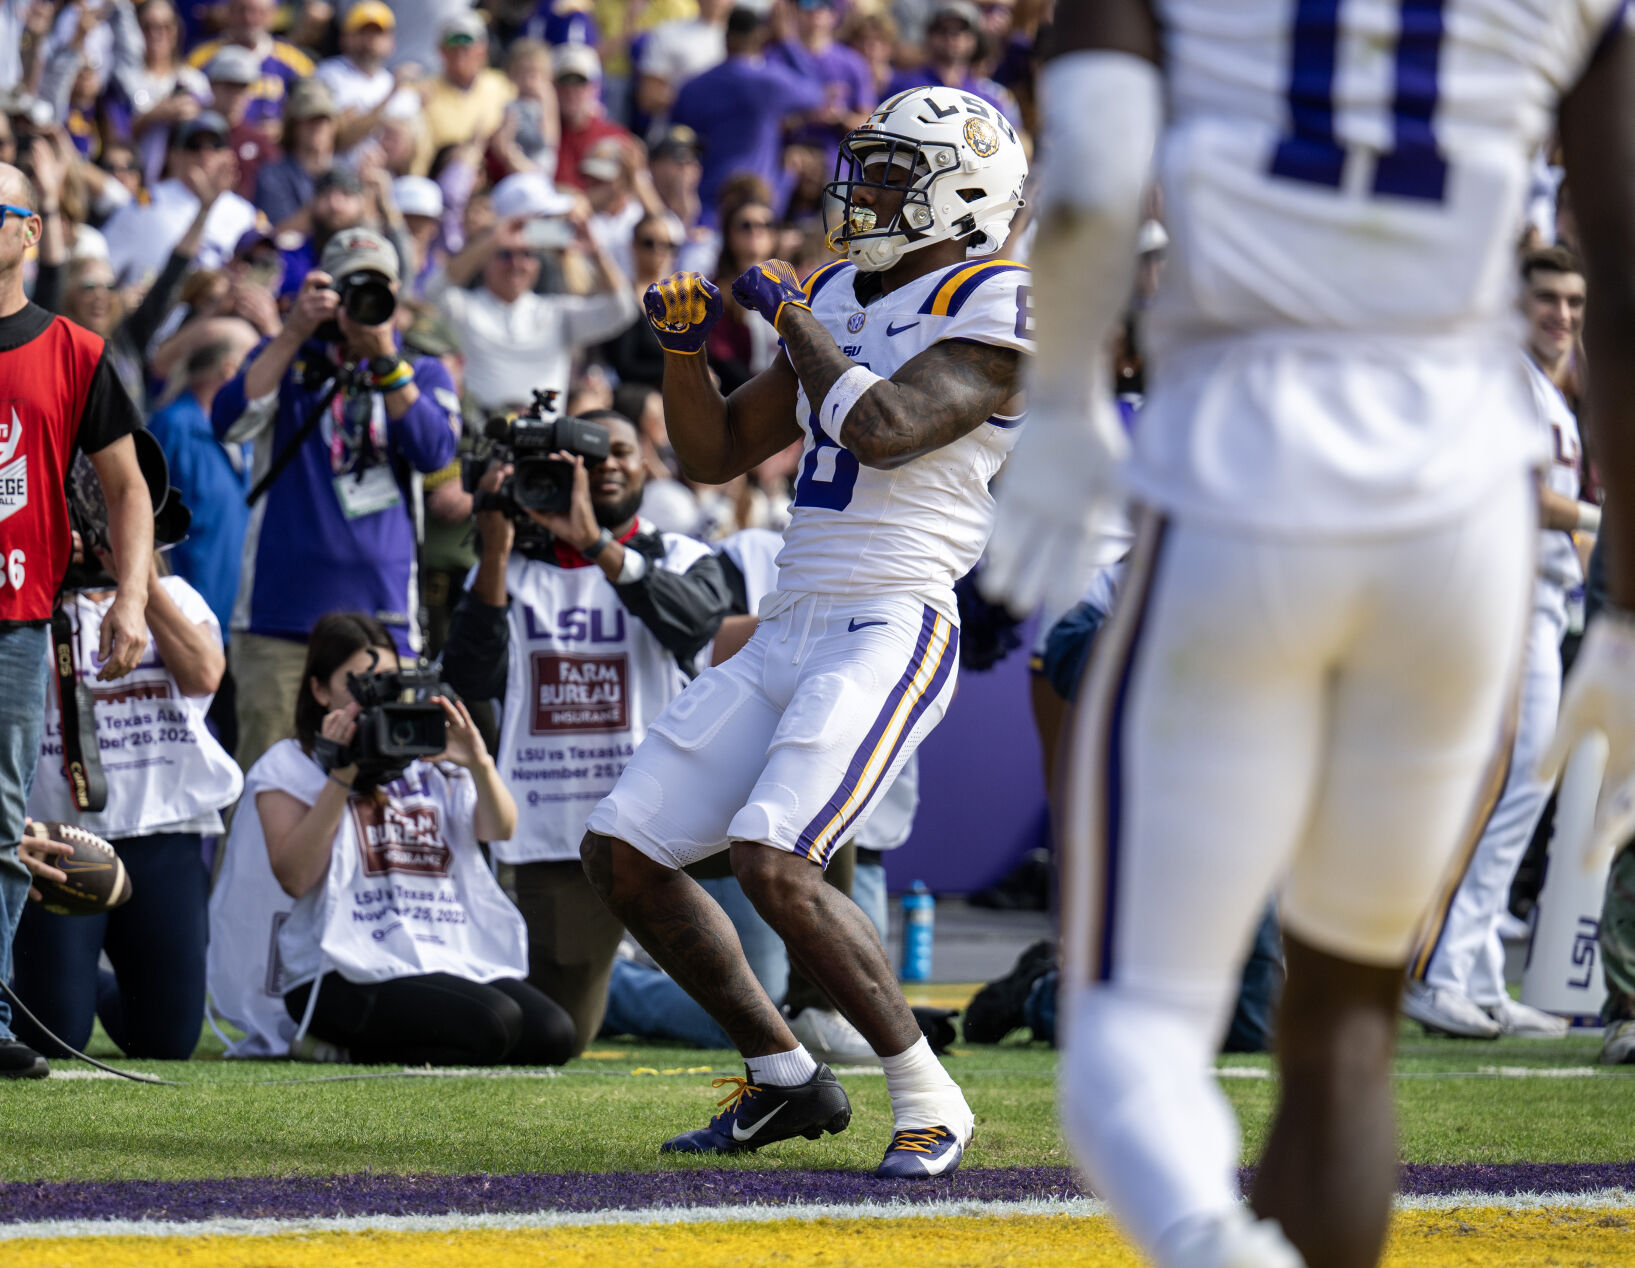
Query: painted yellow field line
(1470, 1237)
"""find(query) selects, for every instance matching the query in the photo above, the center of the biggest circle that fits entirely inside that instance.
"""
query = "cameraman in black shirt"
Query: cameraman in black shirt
(586, 623)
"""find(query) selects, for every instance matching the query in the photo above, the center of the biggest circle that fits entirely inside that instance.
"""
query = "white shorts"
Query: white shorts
(792, 741)
(1261, 709)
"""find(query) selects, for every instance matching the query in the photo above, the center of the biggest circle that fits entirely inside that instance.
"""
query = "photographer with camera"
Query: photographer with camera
(401, 948)
(343, 426)
(585, 620)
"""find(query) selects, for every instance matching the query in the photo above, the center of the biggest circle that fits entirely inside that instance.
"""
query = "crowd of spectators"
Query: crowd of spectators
(515, 173)
(507, 178)
(534, 165)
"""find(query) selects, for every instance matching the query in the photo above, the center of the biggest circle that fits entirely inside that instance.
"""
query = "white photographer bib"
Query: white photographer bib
(407, 891)
(164, 768)
(585, 678)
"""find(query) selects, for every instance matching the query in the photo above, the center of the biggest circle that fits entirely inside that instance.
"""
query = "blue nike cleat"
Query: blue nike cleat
(916, 1153)
(759, 1114)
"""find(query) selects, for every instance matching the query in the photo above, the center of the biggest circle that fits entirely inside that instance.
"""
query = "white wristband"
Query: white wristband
(1589, 518)
(842, 396)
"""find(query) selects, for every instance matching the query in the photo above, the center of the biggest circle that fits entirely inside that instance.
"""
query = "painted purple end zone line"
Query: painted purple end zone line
(361, 1195)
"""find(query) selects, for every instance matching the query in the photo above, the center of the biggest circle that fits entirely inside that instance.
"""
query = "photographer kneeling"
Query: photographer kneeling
(585, 620)
(166, 782)
(401, 948)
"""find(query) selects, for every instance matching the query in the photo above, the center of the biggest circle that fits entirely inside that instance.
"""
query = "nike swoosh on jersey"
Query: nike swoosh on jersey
(854, 625)
(897, 330)
(740, 1133)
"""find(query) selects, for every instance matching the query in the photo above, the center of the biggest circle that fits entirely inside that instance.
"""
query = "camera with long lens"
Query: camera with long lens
(366, 297)
(398, 722)
(539, 482)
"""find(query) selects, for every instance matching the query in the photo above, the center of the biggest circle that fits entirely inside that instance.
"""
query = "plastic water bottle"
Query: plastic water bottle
(919, 922)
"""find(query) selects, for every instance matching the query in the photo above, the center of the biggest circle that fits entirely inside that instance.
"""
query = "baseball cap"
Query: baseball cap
(576, 59)
(678, 141)
(338, 177)
(205, 123)
(359, 251)
(369, 13)
(431, 335)
(463, 28)
(418, 196)
(309, 99)
(249, 240)
(529, 194)
(964, 10)
(601, 162)
(233, 64)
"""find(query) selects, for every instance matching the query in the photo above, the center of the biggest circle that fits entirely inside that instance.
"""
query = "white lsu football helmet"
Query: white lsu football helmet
(955, 156)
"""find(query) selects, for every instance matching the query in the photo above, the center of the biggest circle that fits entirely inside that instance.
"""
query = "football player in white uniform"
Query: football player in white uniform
(1326, 603)
(901, 376)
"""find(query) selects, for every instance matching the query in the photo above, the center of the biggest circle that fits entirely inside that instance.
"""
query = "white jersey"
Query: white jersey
(1559, 569)
(917, 529)
(166, 772)
(584, 679)
(407, 891)
(1343, 185)
(754, 551)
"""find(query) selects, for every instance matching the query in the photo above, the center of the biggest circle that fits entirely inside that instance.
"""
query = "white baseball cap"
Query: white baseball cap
(529, 194)
(418, 196)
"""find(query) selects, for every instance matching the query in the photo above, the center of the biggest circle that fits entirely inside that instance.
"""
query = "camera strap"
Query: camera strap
(76, 708)
(286, 455)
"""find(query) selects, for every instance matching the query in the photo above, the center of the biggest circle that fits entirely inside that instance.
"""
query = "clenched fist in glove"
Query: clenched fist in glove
(768, 287)
(682, 308)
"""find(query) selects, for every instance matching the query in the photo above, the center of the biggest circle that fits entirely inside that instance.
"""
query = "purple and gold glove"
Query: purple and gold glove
(768, 287)
(681, 309)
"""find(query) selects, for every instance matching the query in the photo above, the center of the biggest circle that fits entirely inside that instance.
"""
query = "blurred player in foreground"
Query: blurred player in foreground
(1325, 608)
(899, 377)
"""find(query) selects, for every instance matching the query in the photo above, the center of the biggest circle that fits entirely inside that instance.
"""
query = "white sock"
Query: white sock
(782, 1069)
(922, 1094)
(1146, 1116)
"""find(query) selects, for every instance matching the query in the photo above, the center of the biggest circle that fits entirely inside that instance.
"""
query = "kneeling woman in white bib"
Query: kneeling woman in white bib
(401, 949)
(167, 780)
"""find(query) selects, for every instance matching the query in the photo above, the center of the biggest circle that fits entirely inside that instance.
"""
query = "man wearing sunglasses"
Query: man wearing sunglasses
(60, 394)
(141, 238)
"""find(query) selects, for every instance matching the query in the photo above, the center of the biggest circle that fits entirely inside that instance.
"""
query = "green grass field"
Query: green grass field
(609, 1113)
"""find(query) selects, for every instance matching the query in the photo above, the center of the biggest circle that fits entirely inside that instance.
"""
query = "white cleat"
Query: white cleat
(1618, 1044)
(1447, 1012)
(1237, 1240)
(1522, 1021)
(830, 1038)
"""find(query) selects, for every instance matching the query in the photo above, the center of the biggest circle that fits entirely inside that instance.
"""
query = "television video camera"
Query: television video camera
(539, 482)
(397, 723)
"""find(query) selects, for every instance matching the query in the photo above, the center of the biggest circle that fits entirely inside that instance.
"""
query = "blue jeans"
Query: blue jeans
(152, 1005)
(646, 1002)
(869, 893)
(24, 664)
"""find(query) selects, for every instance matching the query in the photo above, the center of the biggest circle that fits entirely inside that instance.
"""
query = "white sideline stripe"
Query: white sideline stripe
(1600, 1199)
(508, 1072)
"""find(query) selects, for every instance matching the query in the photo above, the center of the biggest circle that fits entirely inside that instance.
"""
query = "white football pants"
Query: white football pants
(1263, 711)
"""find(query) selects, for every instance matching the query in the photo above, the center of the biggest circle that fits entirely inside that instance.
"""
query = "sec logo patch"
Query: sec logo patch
(981, 137)
(854, 323)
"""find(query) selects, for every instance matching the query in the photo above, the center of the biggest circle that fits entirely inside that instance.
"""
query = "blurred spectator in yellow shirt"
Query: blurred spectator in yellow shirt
(467, 101)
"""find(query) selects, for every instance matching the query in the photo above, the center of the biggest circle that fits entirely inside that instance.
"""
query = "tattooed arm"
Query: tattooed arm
(947, 391)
